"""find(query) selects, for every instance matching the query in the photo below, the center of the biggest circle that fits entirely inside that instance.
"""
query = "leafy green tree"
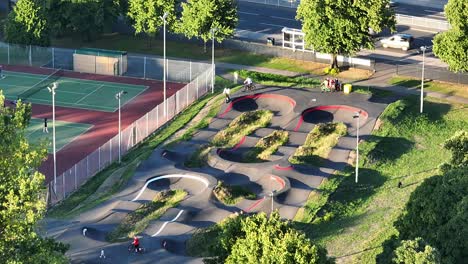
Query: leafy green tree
(27, 24)
(458, 145)
(145, 15)
(438, 212)
(415, 252)
(22, 192)
(342, 27)
(452, 46)
(199, 17)
(262, 239)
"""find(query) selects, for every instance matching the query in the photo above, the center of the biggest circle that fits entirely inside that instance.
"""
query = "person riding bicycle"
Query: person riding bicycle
(136, 243)
(247, 83)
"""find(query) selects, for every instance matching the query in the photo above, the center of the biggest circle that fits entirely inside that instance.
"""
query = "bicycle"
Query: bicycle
(249, 87)
(132, 249)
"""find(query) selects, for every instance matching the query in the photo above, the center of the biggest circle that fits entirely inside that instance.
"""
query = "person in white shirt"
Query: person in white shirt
(226, 93)
(248, 82)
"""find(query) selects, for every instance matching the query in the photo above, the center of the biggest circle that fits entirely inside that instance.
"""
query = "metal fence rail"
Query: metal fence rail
(437, 24)
(139, 66)
(135, 133)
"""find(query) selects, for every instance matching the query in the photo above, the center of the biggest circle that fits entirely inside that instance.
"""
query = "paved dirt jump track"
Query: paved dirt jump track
(294, 111)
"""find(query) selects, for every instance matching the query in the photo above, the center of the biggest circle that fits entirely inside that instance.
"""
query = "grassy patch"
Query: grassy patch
(318, 144)
(430, 85)
(266, 146)
(231, 195)
(137, 221)
(371, 91)
(280, 80)
(198, 158)
(408, 147)
(141, 152)
(242, 125)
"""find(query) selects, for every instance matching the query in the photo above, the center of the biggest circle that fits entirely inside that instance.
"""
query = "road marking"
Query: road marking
(247, 13)
(165, 223)
(284, 18)
(273, 25)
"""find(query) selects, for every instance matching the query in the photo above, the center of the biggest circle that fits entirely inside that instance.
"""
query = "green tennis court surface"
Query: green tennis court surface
(65, 132)
(75, 93)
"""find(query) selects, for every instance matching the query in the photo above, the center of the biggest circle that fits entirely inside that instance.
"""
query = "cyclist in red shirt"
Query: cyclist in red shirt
(136, 243)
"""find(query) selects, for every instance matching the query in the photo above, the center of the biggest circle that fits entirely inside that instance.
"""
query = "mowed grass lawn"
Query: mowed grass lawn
(408, 147)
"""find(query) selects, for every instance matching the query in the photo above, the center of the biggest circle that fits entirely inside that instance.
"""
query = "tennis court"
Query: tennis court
(65, 132)
(71, 92)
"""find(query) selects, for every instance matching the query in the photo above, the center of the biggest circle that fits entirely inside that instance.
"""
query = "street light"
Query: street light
(213, 30)
(164, 60)
(118, 96)
(423, 49)
(52, 89)
(272, 194)
(357, 115)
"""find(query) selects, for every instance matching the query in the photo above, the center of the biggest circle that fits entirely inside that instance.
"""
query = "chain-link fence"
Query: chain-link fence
(135, 133)
(139, 66)
(431, 72)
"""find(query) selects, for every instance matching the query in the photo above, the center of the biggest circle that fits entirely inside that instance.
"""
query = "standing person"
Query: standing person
(136, 243)
(45, 130)
(247, 83)
(226, 93)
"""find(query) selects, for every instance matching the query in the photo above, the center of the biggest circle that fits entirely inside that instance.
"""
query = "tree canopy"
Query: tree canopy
(458, 145)
(452, 46)
(200, 16)
(22, 192)
(145, 15)
(27, 24)
(438, 212)
(258, 239)
(415, 252)
(342, 27)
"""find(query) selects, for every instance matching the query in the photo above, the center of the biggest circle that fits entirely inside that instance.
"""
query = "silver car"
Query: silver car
(398, 41)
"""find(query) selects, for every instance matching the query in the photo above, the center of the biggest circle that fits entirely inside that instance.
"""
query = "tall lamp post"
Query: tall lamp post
(272, 194)
(213, 30)
(164, 60)
(52, 89)
(357, 115)
(118, 96)
(423, 49)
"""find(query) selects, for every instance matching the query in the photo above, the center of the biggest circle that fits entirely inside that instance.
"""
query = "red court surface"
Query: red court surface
(105, 124)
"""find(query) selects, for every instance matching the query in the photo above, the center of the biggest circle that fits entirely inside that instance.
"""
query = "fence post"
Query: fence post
(147, 130)
(121, 65)
(76, 187)
(144, 67)
(30, 56)
(53, 58)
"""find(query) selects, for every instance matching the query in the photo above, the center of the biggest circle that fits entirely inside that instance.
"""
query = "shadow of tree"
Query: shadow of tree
(383, 149)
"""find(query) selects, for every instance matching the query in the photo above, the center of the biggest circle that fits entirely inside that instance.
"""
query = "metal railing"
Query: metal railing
(139, 66)
(424, 22)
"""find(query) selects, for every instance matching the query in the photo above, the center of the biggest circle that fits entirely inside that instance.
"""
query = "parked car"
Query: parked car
(398, 41)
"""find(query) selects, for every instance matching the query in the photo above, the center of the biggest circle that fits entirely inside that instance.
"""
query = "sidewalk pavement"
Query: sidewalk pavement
(379, 81)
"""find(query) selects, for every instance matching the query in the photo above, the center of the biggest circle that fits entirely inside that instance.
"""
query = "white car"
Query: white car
(398, 41)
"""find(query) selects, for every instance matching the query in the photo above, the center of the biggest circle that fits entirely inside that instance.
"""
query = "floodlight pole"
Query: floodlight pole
(52, 91)
(118, 96)
(213, 30)
(357, 115)
(164, 61)
(423, 49)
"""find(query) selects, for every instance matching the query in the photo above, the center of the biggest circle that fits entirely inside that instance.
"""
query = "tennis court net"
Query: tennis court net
(41, 84)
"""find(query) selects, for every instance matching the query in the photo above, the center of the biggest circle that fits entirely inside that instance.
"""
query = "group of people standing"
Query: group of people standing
(331, 85)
